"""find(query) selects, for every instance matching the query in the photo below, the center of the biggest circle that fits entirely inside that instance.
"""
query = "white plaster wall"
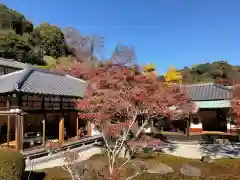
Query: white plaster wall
(147, 130)
(196, 126)
(95, 130)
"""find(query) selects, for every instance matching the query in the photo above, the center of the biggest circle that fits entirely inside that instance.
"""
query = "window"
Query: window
(1, 70)
(9, 70)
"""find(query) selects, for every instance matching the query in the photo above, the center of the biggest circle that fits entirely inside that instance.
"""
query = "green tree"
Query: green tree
(17, 47)
(51, 39)
(14, 20)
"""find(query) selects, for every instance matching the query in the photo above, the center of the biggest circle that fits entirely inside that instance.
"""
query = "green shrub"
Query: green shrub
(12, 165)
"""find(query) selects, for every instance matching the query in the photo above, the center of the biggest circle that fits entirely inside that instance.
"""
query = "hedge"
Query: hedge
(12, 165)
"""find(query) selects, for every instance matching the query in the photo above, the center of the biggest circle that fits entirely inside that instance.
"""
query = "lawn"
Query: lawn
(223, 169)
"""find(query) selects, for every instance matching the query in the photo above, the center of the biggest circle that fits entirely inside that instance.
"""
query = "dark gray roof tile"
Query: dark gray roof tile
(13, 63)
(38, 81)
(208, 91)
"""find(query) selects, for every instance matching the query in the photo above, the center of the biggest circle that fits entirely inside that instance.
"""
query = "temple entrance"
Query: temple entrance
(214, 119)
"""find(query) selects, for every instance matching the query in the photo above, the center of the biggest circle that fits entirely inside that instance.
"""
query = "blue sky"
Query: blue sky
(164, 32)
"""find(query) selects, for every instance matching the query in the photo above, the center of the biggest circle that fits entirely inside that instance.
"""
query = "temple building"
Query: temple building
(38, 106)
(213, 102)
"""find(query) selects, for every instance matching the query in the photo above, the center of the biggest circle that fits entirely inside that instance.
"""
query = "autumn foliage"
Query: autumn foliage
(121, 102)
(117, 96)
(235, 103)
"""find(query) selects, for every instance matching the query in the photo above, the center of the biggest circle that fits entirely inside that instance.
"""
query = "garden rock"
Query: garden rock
(206, 159)
(222, 141)
(188, 170)
(124, 153)
(139, 165)
(160, 169)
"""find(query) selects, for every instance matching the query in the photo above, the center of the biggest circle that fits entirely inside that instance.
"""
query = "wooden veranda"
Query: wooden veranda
(36, 104)
(17, 107)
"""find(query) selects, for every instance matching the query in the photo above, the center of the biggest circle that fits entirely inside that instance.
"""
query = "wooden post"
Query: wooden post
(8, 130)
(44, 132)
(21, 134)
(187, 126)
(17, 119)
(61, 130)
(8, 123)
(77, 127)
(89, 127)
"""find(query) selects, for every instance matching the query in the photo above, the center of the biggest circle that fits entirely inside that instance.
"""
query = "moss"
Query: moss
(12, 165)
(56, 173)
(223, 169)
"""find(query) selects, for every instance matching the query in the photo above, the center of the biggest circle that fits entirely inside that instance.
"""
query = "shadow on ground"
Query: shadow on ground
(229, 149)
(166, 143)
(34, 175)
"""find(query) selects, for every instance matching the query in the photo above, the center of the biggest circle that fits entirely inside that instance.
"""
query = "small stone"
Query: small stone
(139, 165)
(206, 159)
(188, 170)
(124, 153)
(160, 169)
(222, 141)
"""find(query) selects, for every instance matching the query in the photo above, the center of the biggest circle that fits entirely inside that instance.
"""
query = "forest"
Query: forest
(46, 44)
(210, 72)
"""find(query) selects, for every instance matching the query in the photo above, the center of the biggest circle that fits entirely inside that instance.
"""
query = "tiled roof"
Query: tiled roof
(39, 81)
(208, 91)
(13, 63)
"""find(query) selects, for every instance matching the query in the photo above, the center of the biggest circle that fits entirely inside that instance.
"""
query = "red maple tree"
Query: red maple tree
(122, 102)
(118, 98)
(235, 103)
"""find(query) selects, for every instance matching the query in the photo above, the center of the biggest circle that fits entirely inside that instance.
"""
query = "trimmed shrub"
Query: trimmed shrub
(12, 165)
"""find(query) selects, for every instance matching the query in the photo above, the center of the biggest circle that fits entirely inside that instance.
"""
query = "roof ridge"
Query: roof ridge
(49, 71)
(26, 73)
(201, 84)
(72, 77)
(222, 87)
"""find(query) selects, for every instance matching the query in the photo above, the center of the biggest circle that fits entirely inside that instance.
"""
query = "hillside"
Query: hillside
(210, 72)
(24, 42)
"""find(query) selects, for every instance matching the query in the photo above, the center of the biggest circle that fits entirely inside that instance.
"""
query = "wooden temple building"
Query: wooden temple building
(213, 102)
(37, 105)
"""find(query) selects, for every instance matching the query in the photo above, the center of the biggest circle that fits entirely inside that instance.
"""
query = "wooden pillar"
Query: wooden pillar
(17, 131)
(187, 120)
(21, 130)
(8, 130)
(61, 130)
(77, 122)
(89, 128)
(44, 132)
(8, 122)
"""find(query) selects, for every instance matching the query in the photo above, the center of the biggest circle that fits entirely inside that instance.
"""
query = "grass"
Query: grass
(223, 169)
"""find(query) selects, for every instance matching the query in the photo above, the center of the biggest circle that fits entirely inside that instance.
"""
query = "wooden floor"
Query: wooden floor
(41, 149)
(215, 132)
(196, 133)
